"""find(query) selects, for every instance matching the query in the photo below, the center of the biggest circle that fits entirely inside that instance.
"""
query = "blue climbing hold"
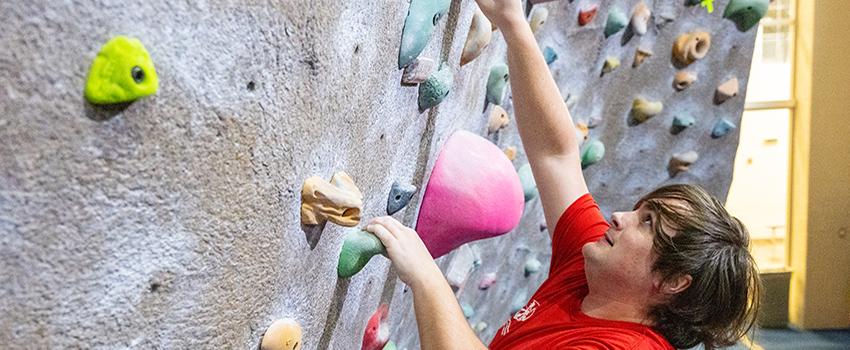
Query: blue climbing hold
(722, 128)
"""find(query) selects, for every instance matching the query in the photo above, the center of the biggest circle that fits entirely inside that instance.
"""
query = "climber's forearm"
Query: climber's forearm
(542, 117)
(440, 319)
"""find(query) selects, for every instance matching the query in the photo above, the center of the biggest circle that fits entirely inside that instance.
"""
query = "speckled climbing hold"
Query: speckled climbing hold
(400, 195)
(434, 89)
(510, 152)
(377, 332)
(478, 38)
(690, 47)
(480, 327)
(726, 91)
(422, 18)
(611, 63)
(538, 17)
(681, 162)
(532, 266)
(640, 18)
(681, 122)
(616, 22)
(526, 178)
(640, 56)
(592, 152)
(467, 309)
(487, 281)
(586, 14)
(549, 55)
(283, 334)
(417, 71)
(683, 80)
(358, 248)
(496, 83)
(121, 72)
(390, 346)
(498, 119)
(643, 109)
(338, 201)
(746, 13)
(473, 193)
(722, 128)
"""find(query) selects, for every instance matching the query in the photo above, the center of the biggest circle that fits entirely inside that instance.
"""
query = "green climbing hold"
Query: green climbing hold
(389, 346)
(496, 83)
(121, 72)
(434, 89)
(617, 20)
(591, 153)
(526, 178)
(357, 249)
(722, 128)
(746, 13)
(422, 18)
(681, 122)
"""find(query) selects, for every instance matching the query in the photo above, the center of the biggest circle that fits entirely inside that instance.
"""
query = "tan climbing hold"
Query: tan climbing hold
(643, 109)
(338, 201)
(640, 56)
(690, 47)
(611, 63)
(583, 129)
(283, 334)
(498, 119)
(538, 16)
(418, 71)
(683, 80)
(681, 162)
(478, 38)
(640, 18)
(510, 152)
(726, 91)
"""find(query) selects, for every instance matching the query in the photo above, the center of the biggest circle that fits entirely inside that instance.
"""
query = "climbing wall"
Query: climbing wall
(175, 221)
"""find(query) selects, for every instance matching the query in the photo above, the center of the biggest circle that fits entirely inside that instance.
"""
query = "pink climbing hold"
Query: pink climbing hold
(473, 193)
(377, 331)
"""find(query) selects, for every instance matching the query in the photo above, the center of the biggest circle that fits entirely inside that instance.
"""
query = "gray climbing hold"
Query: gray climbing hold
(532, 266)
(681, 122)
(617, 20)
(400, 195)
(549, 55)
(496, 83)
(722, 128)
(434, 89)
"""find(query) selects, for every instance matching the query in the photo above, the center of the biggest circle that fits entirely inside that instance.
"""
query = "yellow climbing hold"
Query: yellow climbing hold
(121, 72)
(283, 334)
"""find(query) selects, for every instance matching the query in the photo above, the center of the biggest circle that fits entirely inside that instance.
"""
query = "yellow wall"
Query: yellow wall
(820, 189)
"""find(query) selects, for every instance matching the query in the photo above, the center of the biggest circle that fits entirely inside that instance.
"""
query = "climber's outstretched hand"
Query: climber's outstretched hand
(409, 255)
(503, 13)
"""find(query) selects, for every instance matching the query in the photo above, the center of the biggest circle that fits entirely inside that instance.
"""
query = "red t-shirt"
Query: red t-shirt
(552, 319)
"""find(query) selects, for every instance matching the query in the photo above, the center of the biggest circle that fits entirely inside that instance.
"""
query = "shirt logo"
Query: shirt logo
(526, 312)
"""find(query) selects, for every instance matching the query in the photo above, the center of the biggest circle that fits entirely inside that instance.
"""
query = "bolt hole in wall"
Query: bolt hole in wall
(758, 194)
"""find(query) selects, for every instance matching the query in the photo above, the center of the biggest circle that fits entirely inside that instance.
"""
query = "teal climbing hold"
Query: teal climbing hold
(722, 128)
(681, 122)
(496, 83)
(390, 346)
(357, 249)
(468, 311)
(121, 72)
(592, 152)
(400, 195)
(549, 55)
(526, 178)
(746, 13)
(434, 89)
(422, 18)
(617, 20)
(532, 266)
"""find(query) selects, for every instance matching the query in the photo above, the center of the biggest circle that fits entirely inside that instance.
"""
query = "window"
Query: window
(758, 194)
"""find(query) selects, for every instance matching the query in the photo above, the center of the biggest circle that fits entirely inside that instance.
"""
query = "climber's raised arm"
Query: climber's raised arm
(545, 126)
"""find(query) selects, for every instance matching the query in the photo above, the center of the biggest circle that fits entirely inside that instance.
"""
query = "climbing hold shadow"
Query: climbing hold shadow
(478, 38)
(549, 55)
(122, 72)
(422, 18)
(526, 178)
(586, 14)
(592, 152)
(435, 89)
(722, 128)
(745, 13)
(726, 91)
(283, 334)
(400, 195)
(496, 83)
(377, 332)
(681, 162)
(690, 47)
(498, 119)
(681, 122)
(616, 22)
(338, 201)
(358, 248)
(683, 80)
(643, 109)
(417, 71)
(470, 175)
(538, 18)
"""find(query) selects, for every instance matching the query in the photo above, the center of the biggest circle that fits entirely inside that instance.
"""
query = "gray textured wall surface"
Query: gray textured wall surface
(174, 222)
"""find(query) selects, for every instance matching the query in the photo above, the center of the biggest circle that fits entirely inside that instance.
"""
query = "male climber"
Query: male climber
(673, 272)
